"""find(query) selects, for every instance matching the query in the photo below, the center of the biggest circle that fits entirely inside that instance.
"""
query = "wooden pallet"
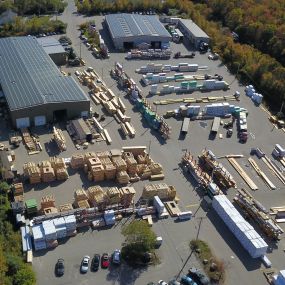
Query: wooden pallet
(242, 173)
(261, 174)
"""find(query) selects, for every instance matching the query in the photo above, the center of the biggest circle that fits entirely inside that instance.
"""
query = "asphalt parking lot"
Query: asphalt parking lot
(240, 268)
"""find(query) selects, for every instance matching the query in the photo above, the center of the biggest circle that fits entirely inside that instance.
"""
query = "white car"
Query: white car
(161, 282)
(85, 264)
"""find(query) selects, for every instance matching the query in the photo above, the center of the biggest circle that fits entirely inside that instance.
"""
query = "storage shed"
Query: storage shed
(81, 129)
(34, 88)
(130, 30)
(193, 32)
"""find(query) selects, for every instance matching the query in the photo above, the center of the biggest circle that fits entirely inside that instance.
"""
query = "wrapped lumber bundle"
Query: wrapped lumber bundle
(32, 171)
(77, 161)
(114, 195)
(120, 163)
(47, 201)
(57, 162)
(89, 154)
(61, 173)
(110, 171)
(48, 174)
(123, 177)
(149, 191)
(80, 194)
(65, 207)
(127, 195)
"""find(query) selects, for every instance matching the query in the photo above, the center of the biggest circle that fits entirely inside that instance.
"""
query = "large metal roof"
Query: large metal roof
(193, 28)
(51, 45)
(29, 77)
(129, 25)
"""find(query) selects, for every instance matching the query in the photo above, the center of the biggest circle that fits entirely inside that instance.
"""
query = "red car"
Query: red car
(105, 260)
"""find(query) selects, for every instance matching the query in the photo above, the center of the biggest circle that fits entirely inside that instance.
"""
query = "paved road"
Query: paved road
(241, 269)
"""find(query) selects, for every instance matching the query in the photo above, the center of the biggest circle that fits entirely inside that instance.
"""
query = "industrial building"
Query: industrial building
(54, 49)
(35, 90)
(130, 30)
(193, 32)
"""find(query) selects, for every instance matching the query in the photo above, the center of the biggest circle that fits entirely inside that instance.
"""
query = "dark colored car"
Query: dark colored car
(198, 276)
(59, 267)
(105, 260)
(95, 262)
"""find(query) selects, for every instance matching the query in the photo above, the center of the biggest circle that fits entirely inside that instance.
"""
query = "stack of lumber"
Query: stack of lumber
(94, 161)
(49, 210)
(162, 190)
(61, 174)
(89, 154)
(47, 171)
(83, 204)
(77, 161)
(97, 197)
(47, 202)
(98, 172)
(146, 172)
(28, 140)
(114, 195)
(57, 162)
(131, 162)
(155, 168)
(65, 207)
(123, 177)
(127, 195)
(59, 138)
(18, 191)
(80, 195)
(135, 150)
(103, 154)
(106, 161)
(110, 171)
(149, 191)
(119, 163)
(32, 171)
(142, 159)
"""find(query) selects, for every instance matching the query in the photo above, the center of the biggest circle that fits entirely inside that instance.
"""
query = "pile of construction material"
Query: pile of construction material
(279, 153)
(81, 199)
(47, 172)
(109, 217)
(15, 138)
(149, 54)
(163, 191)
(77, 161)
(242, 230)
(31, 207)
(220, 174)
(255, 97)
(31, 142)
(32, 171)
(160, 208)
(39, 237)
(157, 68)
(258, 213)
(18, 192)
(48, 205)
(65, 207)
(97, 197)
(59, 138)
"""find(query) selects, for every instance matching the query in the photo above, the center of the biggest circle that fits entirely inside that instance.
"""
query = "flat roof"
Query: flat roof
(195, 30)
(130, 25)
(29, 77)
(51, 45)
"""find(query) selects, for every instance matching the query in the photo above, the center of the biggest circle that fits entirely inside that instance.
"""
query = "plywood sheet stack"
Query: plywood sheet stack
(120, 164)
(131, 163)
(65, 207)
(98, 197)
(32, 171)
(110, 171)
(127, 195)
(123, 177)
(77, 161)
(18, 192)
(47, 201)
(149, 191)
(114, 195)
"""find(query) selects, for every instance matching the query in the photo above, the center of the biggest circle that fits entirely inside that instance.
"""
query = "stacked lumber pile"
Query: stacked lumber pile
(61, 174)
(59, 167)
(28, 140)
(96, 169)
(65, 207)
(162, 190)
(77, 161)
(119, 163)
(127, 195)
(48, 204)
(131, 162)
(81, 199)
(32, 171)
(122, 177)
(59, 138)
(89, 154)
(47, 172)
(97, 197)
(114, 195)
(110, 171)
(18, 192)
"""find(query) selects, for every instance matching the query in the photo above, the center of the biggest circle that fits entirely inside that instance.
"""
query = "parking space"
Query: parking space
(240, 268)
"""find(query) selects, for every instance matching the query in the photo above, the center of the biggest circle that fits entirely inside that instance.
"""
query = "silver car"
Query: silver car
(85, 264)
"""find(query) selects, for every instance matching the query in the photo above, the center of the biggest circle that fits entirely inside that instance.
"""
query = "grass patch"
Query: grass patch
(214, 267)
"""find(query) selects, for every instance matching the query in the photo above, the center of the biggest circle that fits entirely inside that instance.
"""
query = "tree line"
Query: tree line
(13, 269)
(249, 63)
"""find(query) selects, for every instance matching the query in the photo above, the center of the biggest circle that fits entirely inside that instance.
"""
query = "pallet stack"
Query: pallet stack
(32, 171)
(47, 202)
(89, 154)
(59, 138)
(131, 163)
(123, 177)
(18, 192)
(114, 195)
(110, 171)
(127, 195)
(77, 161)
(61, 174)
(96, 169)
(97, 197)
(81, 199)
(120, 163)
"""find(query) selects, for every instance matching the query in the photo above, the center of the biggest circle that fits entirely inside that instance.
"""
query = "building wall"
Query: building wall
(58, 58)
(73, 109)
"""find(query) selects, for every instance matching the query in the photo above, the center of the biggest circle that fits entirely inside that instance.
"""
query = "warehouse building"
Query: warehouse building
(54, 49)
(35, 90)
(130, 30)
(193, 32)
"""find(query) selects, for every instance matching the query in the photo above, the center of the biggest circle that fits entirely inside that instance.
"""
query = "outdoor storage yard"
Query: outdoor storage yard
(205, 223)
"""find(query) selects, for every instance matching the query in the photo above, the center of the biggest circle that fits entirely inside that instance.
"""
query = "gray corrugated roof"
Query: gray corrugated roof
(128, 25)
(51, 45)
(29, 77)
(195, 30)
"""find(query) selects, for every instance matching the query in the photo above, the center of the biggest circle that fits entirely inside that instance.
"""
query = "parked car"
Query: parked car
(198, 276)
(105, 260)
(59, 267)
(95, 262)
(161, 282)
(116, 258)
(213, 56)
(85, 264)
(186, 280)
